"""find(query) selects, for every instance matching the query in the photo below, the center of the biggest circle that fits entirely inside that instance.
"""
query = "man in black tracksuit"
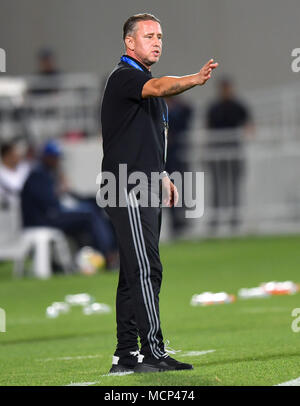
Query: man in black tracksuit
(134, 127)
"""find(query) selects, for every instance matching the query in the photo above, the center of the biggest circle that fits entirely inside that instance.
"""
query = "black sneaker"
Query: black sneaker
(161, 365)
(125, 364)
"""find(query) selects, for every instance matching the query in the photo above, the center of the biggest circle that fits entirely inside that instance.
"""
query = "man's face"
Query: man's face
(46, 65)
(226, 90)
(52, 161)
(13, 157)
(146, 42)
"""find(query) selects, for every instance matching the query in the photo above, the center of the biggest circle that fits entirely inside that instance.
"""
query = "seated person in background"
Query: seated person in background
(41, 206)
(13, 171)
(47, 77)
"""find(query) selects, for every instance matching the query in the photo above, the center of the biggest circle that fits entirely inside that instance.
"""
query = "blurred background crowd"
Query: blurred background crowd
(242, 132)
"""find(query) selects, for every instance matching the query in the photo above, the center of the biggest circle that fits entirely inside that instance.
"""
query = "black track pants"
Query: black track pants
(137, 304)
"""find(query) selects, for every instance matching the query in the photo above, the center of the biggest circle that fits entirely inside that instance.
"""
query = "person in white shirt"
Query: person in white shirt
(13, 171)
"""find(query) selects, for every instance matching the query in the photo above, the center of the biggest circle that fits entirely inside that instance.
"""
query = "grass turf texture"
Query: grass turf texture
(253, 340)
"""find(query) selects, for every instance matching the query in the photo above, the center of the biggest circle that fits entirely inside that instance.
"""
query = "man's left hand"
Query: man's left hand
(169, 193)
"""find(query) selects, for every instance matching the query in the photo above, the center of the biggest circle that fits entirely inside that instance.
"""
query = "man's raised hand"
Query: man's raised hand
(172, 85)
(205, 72)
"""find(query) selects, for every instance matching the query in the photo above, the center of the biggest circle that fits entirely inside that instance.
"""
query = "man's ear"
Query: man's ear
(129, 43)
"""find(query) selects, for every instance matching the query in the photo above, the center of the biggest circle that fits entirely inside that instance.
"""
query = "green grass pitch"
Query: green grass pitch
(252, 340)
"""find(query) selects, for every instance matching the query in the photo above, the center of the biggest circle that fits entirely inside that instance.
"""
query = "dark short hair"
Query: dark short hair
(225, 81)
(45, 53)
(130, 24)
(6, 148)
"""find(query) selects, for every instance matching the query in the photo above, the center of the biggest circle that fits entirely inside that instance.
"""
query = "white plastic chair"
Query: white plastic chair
(16, 244)
(41, 240)
(12, 245)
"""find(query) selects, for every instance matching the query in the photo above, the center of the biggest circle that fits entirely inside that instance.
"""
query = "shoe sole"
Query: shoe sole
(146, 368)
(118, 369)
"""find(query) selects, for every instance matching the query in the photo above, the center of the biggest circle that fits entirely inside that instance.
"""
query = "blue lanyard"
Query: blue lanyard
(131, 62)
(166, 117)
(136, 66)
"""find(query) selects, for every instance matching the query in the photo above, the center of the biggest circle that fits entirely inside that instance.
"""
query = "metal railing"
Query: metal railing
(263, 170)
(250, 187)
(52, 107)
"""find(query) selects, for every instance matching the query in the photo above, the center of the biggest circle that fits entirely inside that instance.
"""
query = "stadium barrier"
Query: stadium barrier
(268, 160)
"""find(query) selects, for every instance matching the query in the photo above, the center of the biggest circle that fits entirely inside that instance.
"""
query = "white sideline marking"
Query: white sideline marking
(195, 353)
(119, 373)
(185, 354)
(29, 320)
(82, 383)
(69, 358)
(293, 382)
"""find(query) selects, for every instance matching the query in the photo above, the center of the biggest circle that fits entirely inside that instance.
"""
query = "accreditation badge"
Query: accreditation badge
(166, 130)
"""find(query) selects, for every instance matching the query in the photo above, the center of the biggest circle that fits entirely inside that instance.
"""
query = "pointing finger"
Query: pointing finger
(209, 62)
